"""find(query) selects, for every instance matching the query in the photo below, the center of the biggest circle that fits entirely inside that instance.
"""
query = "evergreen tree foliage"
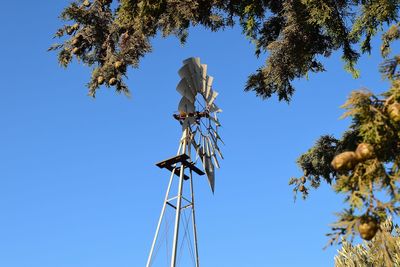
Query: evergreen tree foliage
(110, 36)
(364, 164)
(382, 251)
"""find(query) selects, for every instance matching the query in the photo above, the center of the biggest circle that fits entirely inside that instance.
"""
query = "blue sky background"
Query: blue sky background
(78, 184)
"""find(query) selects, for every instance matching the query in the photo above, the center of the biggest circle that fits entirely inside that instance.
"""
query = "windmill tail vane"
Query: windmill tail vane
(197, 115)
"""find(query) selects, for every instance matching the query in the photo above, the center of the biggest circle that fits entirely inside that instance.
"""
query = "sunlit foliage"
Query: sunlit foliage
(382, 251)
(364, 164)
(293, 34)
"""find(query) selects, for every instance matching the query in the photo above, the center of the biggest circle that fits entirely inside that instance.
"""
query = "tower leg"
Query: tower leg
(196, 251)
(159, 221)
(149, 259)
(179, 203)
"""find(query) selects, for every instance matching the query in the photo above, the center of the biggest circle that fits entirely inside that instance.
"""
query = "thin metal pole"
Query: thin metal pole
(194, 221)
(178, 203)
(162, 213)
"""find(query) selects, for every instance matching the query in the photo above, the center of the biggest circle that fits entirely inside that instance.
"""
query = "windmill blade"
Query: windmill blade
(216, 135)
(184, 89)
(185, 73)
(193, 141)
(215, 120)
(215, 108)
(185, 106)
(204, 77)
(187, 122)
(203, 145)
(196, 76)
(215, 161)
(215, 146)
(193, 60)
(217, 123)
(206, 92)
(213, 138)
(207, 163)
(219, 152)
(219, 138)
(211, 98)
(209, 169)
(196, 148)
(207, 146)
(211, 146)
(195, 70)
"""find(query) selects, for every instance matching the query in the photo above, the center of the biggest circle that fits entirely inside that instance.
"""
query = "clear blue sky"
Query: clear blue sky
(78, 184)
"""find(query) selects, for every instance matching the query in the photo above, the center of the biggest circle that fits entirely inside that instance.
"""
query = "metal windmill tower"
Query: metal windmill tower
(198, 118)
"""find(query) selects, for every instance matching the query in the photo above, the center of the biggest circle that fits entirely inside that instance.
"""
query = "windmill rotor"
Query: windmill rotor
(195, 87)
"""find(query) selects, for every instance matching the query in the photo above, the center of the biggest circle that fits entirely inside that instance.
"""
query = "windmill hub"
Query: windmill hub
(181, 116)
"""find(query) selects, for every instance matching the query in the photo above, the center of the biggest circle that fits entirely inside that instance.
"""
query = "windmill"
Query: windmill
(197, 115)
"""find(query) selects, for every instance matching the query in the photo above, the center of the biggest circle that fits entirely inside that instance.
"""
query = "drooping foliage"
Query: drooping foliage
(364, 164)
(382, 251)
(110, 36)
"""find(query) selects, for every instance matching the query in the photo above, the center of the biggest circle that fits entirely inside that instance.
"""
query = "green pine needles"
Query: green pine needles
(294, 34)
